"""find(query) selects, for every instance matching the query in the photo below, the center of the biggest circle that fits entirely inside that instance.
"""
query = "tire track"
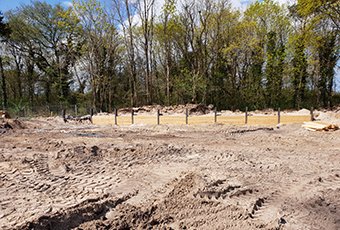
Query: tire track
(88, 210)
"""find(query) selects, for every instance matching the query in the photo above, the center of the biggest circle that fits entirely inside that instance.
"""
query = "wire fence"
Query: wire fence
(131, 116)
(185, 118)
(47, 110)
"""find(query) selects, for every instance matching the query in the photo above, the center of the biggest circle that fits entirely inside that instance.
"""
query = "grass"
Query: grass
(199, 120)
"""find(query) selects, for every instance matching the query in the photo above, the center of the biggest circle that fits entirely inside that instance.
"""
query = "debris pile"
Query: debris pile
(193, 109)
(319, 126)
(4, 114)
(8, 124)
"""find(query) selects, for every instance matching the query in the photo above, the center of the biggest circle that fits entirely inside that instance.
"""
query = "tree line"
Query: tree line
(132, 53)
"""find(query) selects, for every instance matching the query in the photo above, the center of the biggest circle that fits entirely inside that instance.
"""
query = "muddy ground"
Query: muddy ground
(80, 176)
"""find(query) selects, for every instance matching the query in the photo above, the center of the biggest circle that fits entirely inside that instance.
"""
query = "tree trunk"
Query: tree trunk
(3, 86)
(18, 80)
(30, 72)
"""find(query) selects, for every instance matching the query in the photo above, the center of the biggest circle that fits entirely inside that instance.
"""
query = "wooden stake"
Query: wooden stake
(186, 115)
(116, 115)
(311, 114)
(91, 115)
(76, 110)
(246, 116)
(158, 112)
(63, 113)
(215, 115)
(132, 114)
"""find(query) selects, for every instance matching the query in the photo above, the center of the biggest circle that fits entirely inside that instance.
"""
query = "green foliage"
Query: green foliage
(270, 55)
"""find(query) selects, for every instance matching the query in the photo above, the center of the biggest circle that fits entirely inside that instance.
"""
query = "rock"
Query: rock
(94, 150)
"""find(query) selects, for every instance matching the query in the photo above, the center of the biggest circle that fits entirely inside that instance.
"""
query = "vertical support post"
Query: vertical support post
(91, 114)
(63, 114)
(116, 115)
(186, 115)
(246, 116)
(76, 110)
(132, 118)
(158, 113)
(312, 114)
(215, 114)
(279, 116)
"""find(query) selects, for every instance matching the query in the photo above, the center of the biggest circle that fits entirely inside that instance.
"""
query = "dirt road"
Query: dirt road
(80, 176)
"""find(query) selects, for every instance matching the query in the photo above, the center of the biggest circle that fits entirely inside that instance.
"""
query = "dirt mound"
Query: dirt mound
(194, 109)
(88, 210)
(9, 124)
(200, 109)
(156, 215)
(328, 116)
(303, 112)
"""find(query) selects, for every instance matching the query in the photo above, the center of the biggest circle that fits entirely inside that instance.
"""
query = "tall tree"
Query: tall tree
(101, 52)
(147, 15)
(125, 10)
(272, 28)
(4, 33)
(55, 33)
(164, 35)
(327, 61)
(325, 8)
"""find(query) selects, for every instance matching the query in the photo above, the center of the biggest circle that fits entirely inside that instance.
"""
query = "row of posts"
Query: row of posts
(278, 115)
(216, 114)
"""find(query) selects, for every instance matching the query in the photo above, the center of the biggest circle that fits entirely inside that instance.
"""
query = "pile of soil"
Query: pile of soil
(194, 109)
(9, 124)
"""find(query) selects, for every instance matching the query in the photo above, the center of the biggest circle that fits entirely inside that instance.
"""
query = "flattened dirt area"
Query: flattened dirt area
(81, 176)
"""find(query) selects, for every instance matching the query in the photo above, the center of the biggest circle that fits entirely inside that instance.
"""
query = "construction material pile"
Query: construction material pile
(319, 126)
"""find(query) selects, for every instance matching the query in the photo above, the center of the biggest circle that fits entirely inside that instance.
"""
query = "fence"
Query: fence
(49, 110)
(159, 118)
(185, 118)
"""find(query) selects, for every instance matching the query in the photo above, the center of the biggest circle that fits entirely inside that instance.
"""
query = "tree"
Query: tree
(202, 52)
(22, 52)
(324, 8)
(4, 33)
(101, 52)
(328, 58)
(147, 14)
(125, 11)
(272, 28)
(54, 32)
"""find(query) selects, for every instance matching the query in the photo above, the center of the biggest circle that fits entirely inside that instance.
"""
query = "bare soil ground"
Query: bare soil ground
(81, 176)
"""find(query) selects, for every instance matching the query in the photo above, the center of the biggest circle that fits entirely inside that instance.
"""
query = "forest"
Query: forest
(145, 52)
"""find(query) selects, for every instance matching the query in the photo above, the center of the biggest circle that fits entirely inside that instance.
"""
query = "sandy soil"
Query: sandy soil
(81, 176)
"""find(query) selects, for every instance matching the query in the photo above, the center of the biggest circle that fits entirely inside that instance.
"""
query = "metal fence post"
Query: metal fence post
(91, 114)
(311, 114)
(116, 115)
(158, 116)
(215, 113)
(63, 113)
(246, 116)
(76, 110)
(132, 114)
(186, 115)
(279, 116)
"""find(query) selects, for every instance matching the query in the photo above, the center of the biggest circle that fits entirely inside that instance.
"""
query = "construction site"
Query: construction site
(235, 172)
